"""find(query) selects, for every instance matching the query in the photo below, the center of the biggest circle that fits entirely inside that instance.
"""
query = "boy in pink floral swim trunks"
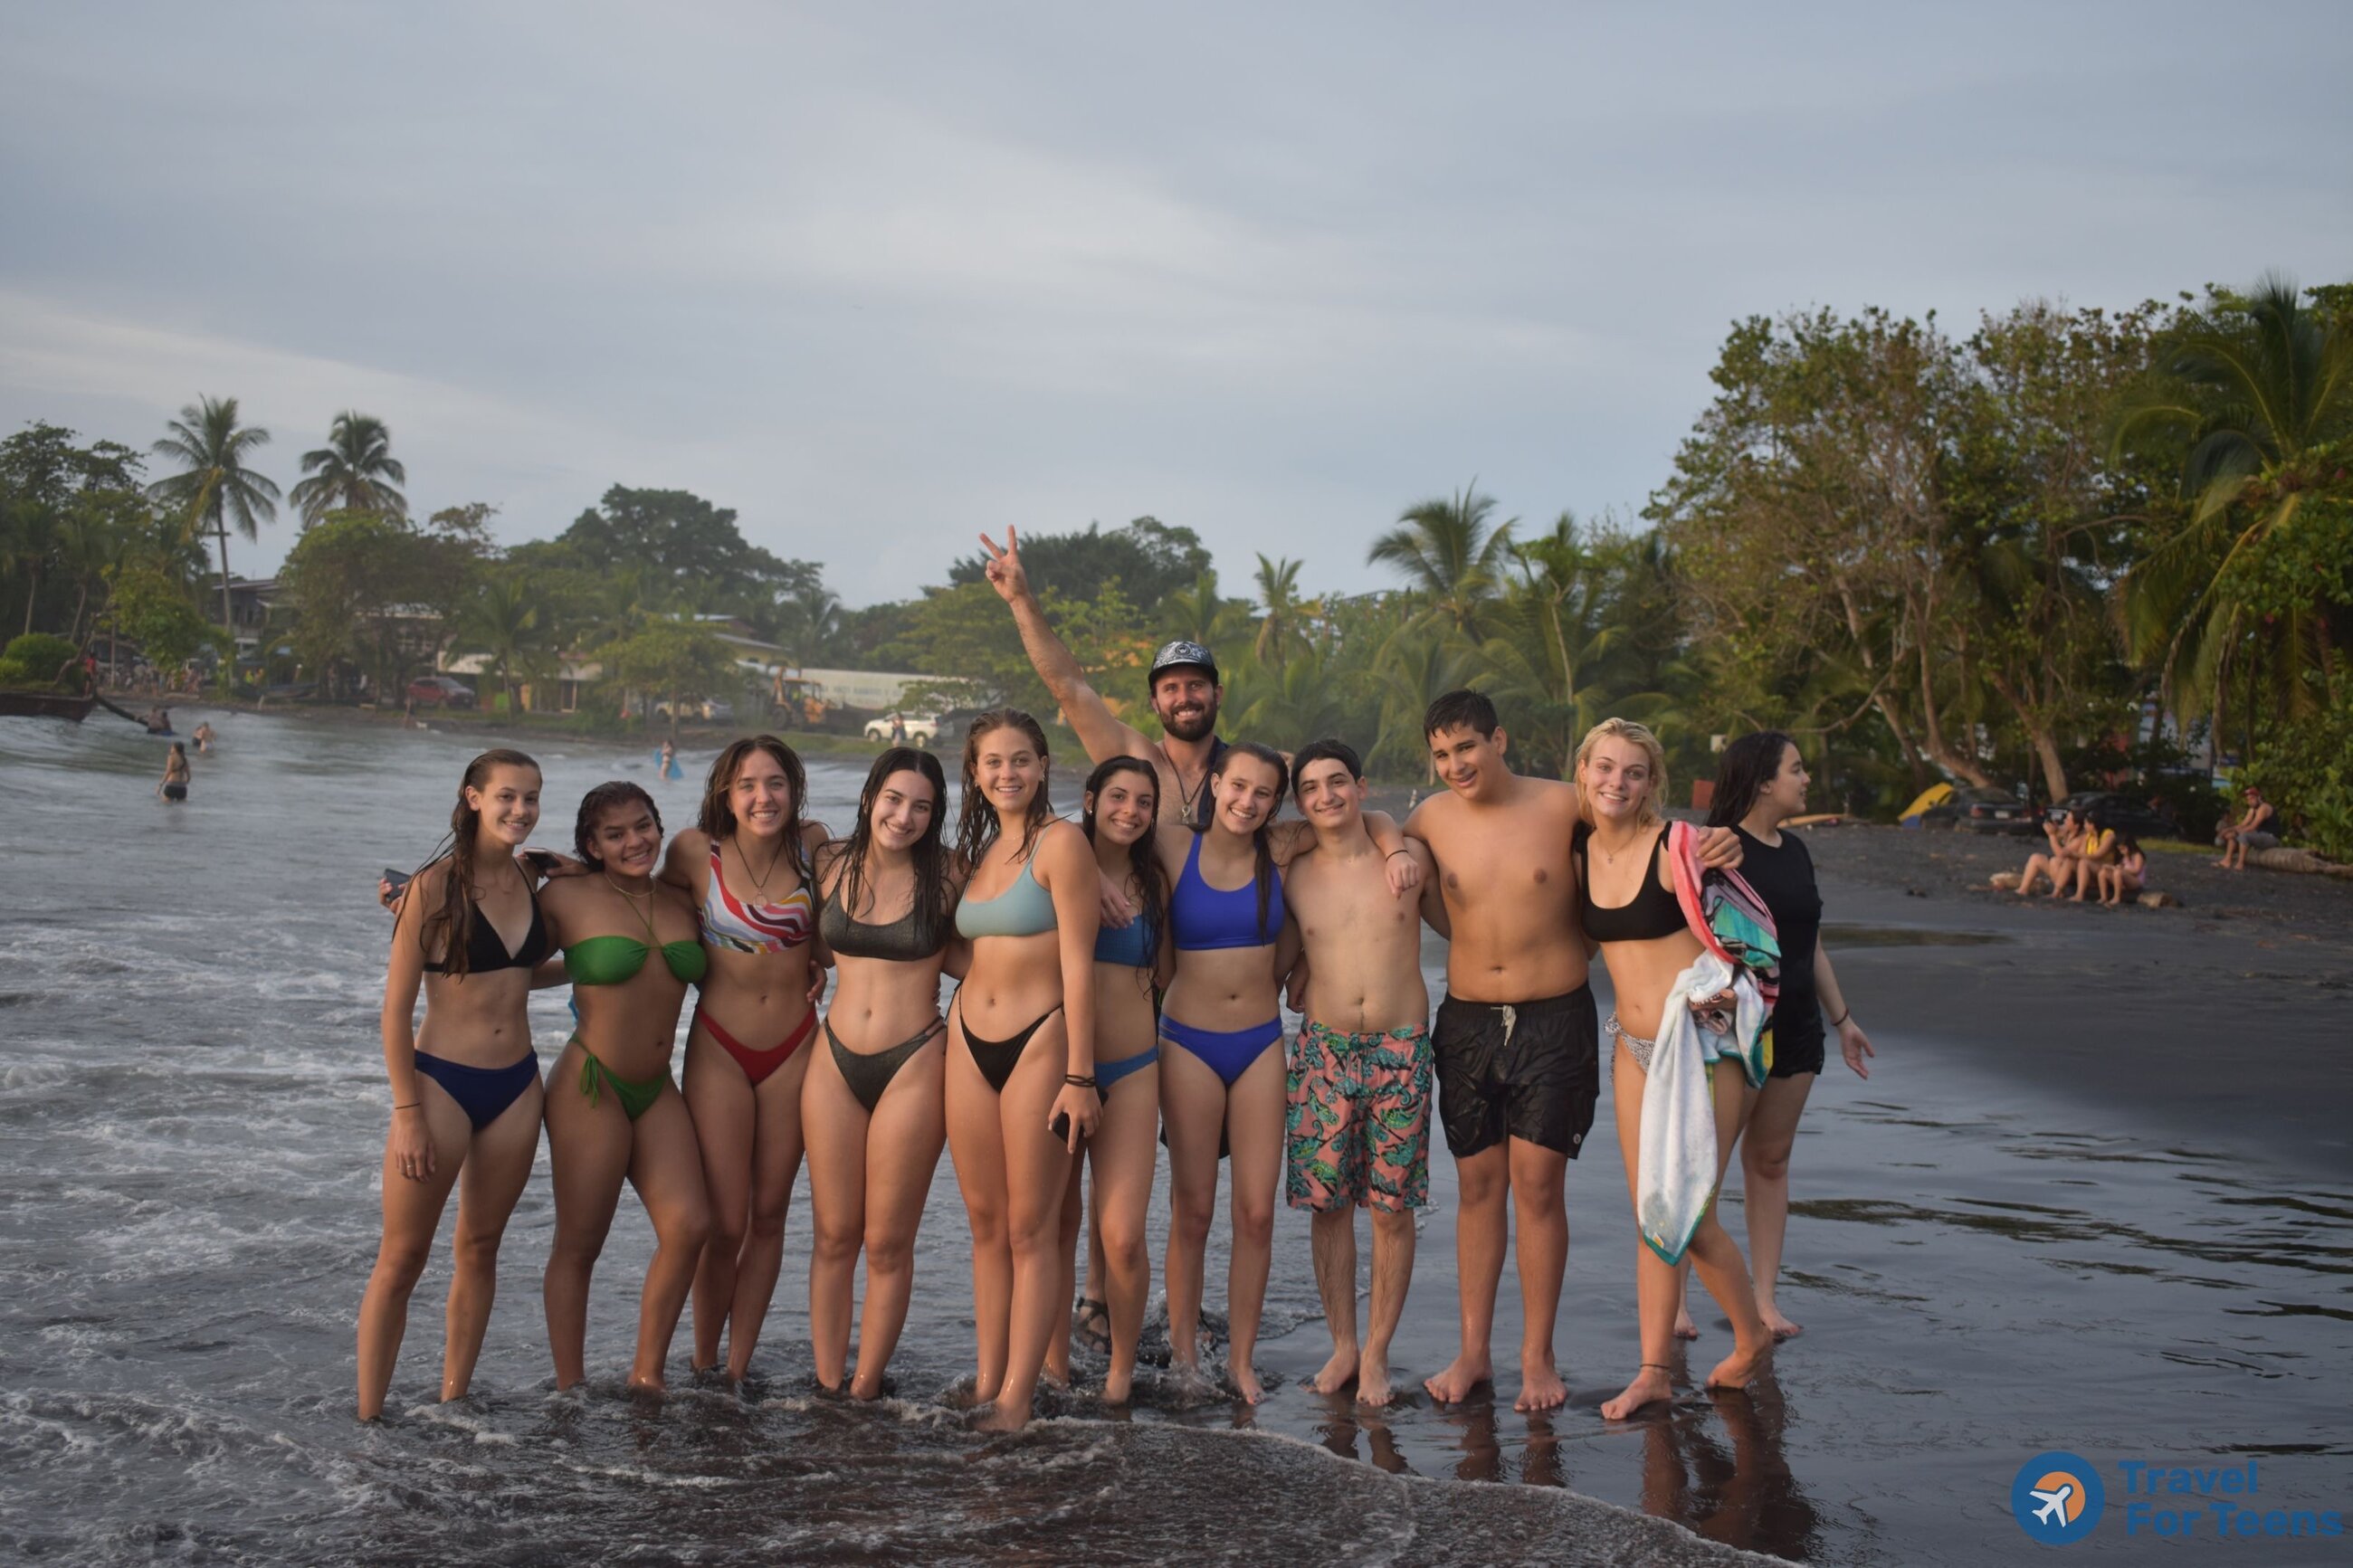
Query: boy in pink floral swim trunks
(1358, 1130)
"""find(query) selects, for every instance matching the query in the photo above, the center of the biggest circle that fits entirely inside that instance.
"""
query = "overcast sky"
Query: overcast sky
(881, 276)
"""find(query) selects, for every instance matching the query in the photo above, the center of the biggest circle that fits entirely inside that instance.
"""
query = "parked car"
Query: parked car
(707, 708)
(440, 692)
(2123, 812)
(1982, 811)
(921, 728)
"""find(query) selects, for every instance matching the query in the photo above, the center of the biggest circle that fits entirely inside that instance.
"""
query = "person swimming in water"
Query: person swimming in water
(873, 1102)
(465, 1085)
(176, 774)
(204, 735)
(631, 947)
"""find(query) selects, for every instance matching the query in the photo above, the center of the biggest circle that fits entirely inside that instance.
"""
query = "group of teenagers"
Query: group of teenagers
(1120, 986)
(2086, 852)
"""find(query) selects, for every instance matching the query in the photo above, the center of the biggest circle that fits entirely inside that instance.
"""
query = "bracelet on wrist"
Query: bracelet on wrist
(1839, 1022)
(1078, 1080)
(410, 1106)
(1395, 852)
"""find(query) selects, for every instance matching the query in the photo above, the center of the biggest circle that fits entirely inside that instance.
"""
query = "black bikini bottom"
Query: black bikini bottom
(998, 1058)
(868, 1076)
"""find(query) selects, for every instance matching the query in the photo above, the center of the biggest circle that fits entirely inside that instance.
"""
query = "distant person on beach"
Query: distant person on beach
(203, 736)
(2252, 829)
(873, 1102)
(2125, 877)
(667, 760)
(631, 948)
(2063, 838)
(465, 1085)
(1020, 1074)
(1760, 785)
(1516, 1041)
(746, 864)
(1358, 1084)
(2093, 856)
(1631, 900)
(176, 774)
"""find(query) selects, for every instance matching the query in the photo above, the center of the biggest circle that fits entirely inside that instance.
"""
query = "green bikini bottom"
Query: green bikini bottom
(636, 1098)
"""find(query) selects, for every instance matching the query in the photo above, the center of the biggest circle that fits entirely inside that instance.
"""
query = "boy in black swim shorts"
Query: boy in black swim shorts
(1530, 1070)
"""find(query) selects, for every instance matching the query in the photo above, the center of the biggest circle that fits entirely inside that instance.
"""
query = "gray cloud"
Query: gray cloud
(883, 276)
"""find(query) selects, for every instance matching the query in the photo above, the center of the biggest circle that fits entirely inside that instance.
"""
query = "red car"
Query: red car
(440, 692)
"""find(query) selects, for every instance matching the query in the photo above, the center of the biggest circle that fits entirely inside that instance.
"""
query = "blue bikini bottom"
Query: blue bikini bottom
(1228, 1052)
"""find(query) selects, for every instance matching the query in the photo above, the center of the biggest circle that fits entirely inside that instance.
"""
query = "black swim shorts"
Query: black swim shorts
(1799, 1050)
(1528, 1069)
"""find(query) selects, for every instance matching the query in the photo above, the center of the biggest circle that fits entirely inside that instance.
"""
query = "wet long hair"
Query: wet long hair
(718, 816)
(977, 824)
(1653, 809)
(453, 917)
(1750, 765)
(1262, 836)
(1143, 860)
(596, 803)
(930, 853)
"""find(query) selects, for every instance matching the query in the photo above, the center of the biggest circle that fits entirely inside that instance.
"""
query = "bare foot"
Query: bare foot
(1684, 1328)
(642, 1385)
(1373, 1378)
(1650, 1387)
(1056, 1377)
(1540, 1388)
(1740, 1368)
(1337, 1373)
(1467, 1372)
(1783, 1329)
(1119, 1387)
(1245, 1379)
(999, 1418)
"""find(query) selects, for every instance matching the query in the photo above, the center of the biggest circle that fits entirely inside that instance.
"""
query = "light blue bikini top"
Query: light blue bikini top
(1024, 908)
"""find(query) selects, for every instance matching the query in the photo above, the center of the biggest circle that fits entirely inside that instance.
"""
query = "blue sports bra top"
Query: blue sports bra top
(1201, 917)
(1024, 908)
(1136, 945)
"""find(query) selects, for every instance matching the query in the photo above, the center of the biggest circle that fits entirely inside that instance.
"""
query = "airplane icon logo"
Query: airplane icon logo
(2057, 1498)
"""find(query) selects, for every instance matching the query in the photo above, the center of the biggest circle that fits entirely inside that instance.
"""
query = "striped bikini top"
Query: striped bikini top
(746, 927)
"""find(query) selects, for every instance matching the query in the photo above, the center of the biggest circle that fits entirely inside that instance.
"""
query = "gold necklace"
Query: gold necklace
(759, 882)
(653, 937)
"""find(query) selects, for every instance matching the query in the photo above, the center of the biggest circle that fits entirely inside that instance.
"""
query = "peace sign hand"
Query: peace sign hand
(1003, 567)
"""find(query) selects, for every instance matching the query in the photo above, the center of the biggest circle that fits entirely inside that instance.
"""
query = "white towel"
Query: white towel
(1677, 1150)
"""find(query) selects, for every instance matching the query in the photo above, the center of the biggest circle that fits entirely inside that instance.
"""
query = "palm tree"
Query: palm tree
(1281, 632)
(1451, 552)
(216, 486)
(811, 620)
(2260, 392)
(1197, 612)
(355, 468)
(503, 621)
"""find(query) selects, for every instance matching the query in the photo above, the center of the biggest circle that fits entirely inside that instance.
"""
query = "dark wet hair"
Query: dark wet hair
(1323, 750)
(930, 852)
(1462, 707)
(977, 824)
(596, 803)
(1263, 837)
(453, 917)
(718, 815)
(1142, 860)
(1749, 766)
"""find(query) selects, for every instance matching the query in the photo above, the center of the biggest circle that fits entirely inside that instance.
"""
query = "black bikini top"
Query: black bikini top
(485, 952)
(1652, 913)
(899, 940)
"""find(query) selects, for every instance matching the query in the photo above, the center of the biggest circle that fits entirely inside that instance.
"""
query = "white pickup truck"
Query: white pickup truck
(921, 730)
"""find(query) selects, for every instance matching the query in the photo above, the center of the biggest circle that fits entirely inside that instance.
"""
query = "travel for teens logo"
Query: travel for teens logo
(2058, 1499)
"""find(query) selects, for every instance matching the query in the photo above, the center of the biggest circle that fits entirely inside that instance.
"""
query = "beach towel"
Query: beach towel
(1718, 1008)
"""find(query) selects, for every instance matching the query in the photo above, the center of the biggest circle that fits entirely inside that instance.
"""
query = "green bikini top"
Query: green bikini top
(612, 960)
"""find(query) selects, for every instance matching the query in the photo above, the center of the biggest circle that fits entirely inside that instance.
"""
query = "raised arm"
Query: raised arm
(1089, 717)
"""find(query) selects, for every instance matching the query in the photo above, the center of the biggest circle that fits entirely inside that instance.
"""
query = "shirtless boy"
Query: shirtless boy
(1517, 1041)
(1356, 1135)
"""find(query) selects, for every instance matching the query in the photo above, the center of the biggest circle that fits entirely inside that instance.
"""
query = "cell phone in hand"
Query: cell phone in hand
(540, 861)
(1061, 1127)
(398, 880)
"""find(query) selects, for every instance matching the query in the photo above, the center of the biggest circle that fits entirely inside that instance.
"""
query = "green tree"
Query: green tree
(147, 605)
(500, 619)
(216, 486)
(355, 471)
(678, 662)
(65, 509)
(2254, 394)
(373, 593)
(1448, 550)
(1282, 628)
(1146, 560)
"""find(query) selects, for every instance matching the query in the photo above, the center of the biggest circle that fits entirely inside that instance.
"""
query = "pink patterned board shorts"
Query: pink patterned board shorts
(1358, 1129)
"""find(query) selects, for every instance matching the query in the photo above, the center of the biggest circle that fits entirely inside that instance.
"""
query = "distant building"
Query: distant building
(250, 599)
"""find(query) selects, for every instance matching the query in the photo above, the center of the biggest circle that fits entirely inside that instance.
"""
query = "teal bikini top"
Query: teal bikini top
(1025, 908)
(612, 960)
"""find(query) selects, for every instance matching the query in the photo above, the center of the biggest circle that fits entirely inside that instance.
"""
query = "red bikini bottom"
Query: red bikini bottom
(758, 1064)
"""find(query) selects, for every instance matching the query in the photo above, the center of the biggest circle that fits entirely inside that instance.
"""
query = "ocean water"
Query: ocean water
(192, 1108)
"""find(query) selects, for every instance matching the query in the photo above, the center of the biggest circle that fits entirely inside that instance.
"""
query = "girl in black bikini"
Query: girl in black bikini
(465, 1087)
(873, 1102)
(1020, 1074)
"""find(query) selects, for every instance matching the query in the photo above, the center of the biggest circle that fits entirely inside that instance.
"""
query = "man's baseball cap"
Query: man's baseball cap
(1181, 653)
